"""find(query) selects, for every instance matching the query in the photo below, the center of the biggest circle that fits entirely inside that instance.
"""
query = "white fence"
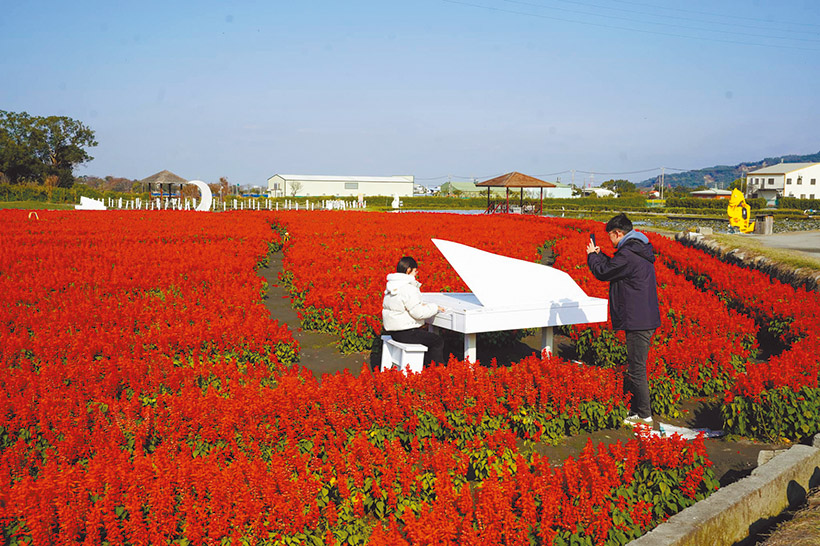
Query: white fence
(176, 203)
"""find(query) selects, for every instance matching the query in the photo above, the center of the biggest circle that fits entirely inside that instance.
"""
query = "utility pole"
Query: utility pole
(743, 182)
(663, 182)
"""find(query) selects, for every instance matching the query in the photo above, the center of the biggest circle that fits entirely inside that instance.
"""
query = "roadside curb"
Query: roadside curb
(733, 513)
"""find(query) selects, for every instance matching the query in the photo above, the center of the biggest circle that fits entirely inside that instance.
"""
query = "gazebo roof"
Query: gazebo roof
(515, 180)
(164, 177)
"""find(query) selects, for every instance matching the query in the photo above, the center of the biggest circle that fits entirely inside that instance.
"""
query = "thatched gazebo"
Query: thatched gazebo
(514, 180)
(161, 178)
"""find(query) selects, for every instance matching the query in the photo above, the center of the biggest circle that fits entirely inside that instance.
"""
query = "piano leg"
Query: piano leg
(547, 339)
(470, 347)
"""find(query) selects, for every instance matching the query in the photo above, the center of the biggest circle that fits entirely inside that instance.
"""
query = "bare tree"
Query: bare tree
(295, 187)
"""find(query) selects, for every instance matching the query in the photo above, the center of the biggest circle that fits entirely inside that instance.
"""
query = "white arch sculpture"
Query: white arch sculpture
(205, 192)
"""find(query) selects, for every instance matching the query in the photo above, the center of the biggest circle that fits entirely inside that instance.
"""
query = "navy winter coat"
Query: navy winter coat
(633, 293)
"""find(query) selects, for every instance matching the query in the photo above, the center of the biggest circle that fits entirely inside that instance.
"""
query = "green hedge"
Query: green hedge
(43, 194)
(697, 203)
(32, 192)
(799, 204)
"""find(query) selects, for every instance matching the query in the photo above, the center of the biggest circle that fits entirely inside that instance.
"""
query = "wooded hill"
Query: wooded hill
(723, 175)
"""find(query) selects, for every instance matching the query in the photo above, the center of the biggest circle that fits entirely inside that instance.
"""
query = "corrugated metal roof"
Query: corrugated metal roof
(460, 186)
(782, 168)
(712, 191)
(321, 178)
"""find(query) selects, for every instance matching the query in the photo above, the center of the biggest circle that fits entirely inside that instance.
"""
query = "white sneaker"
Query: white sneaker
(633, 420)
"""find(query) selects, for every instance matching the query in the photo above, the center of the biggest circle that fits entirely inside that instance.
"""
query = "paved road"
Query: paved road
(802, 241)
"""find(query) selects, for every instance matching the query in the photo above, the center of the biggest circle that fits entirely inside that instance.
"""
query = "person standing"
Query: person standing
(633, 304)
(403, 312)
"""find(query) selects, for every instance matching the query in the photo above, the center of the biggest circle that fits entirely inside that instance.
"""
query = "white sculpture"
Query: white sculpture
(205, 192)
(86, 203)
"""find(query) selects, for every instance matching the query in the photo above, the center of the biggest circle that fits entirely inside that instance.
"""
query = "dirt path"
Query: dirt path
(319, 354)
(318, 350)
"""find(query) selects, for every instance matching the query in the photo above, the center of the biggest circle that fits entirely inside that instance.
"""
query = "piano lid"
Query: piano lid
(500, 281)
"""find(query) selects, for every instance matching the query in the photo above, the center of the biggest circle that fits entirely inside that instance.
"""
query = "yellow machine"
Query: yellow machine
(739, 212)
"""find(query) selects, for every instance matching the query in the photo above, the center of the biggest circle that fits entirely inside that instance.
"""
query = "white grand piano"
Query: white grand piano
(508, 294)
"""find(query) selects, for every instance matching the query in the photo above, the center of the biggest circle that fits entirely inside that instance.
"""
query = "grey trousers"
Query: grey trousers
(636, 380)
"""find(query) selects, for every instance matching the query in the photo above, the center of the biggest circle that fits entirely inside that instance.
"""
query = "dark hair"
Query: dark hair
(619, 222)
(406, 264)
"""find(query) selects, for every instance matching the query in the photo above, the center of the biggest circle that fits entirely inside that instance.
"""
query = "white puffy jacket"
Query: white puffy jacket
(402, 308)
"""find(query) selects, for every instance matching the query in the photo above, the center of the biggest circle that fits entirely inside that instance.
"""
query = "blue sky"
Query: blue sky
(432, 88)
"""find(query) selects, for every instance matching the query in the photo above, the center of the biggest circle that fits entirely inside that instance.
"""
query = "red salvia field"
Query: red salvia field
(148, 397)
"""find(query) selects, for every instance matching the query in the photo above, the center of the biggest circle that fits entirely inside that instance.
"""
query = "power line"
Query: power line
(642, 171)
(626, 172)
(629, 29)
(701, 29)
(712, 14)
(555, 174)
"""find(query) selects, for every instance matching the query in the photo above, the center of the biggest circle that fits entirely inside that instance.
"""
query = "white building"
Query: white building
(599, 192)
(299, 185)
(784, 179)
(560, 191)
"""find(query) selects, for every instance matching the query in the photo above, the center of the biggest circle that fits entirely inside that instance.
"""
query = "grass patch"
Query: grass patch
(802, 530)
(35, 205)
(791, 258)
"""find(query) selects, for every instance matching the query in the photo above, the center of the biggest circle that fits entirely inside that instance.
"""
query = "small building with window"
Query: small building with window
(798, 180)
(301, 185)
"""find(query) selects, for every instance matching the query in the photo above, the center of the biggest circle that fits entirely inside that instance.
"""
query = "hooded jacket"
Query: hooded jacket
(402, 308)
(633, 293)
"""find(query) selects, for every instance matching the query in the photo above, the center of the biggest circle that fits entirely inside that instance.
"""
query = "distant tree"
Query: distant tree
(118, 184)
(295, 187)
(224, 187)
(34, 148)
(110, 183)
(620, 186)
(91, 181)
(738, 183)
(188, 191)
(680, 191)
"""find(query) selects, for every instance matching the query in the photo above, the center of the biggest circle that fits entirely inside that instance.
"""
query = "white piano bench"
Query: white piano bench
(397, 354)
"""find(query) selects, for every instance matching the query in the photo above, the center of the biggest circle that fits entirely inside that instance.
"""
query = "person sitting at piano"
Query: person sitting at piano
(403, 312)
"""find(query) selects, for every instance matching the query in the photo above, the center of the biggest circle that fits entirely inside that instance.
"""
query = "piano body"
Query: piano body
(508, 294)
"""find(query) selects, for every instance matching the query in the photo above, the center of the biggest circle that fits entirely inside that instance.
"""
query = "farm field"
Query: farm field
(148, 397)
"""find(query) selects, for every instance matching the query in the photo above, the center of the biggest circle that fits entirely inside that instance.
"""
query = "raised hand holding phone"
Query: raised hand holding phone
(592, 247)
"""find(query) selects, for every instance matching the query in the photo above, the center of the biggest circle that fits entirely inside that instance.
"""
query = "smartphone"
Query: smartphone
(592, 238)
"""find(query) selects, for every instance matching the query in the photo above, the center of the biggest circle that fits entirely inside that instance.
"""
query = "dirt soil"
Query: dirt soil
(731, 459)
